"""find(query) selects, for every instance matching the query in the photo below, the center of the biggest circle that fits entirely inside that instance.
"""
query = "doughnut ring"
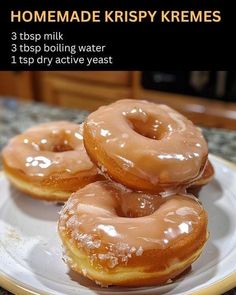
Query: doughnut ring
(145, 146)
(118, 237)
(49, 161)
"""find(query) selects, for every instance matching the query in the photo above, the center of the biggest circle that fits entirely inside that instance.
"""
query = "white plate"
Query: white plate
(31, 255)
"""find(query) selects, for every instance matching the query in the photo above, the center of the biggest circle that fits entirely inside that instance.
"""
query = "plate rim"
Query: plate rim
(219, 287)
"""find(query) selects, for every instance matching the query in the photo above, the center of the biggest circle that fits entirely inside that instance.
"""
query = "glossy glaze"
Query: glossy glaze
(49, 148)
(127, 223)
(151, 141)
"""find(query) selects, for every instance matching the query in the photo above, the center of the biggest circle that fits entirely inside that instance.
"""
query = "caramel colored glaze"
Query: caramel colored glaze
(206, 177)
(51, 156)
(55, 147)
(145, 146)
(117, 230)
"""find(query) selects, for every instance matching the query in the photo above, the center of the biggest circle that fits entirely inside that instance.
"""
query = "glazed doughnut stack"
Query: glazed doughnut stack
(132, 219)
(139, 227)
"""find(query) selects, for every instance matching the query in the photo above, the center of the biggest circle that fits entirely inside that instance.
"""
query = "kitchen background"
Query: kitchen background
(206, 97)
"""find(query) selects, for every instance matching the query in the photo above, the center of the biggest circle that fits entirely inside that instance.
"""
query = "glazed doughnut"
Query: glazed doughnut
(119, 237)
(207, 176)
(49, 161)
(145, 146)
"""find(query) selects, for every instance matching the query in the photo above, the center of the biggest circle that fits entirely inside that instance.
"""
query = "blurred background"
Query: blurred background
(206, 97)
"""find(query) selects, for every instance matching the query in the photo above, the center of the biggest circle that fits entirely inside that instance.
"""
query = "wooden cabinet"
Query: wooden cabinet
(16, 84)
(85, 90)
(89, 90)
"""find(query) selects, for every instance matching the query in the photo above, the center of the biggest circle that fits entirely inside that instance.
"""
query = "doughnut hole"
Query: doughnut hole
(133, 205)
(62, 148)
(146, 124)
(57, 144)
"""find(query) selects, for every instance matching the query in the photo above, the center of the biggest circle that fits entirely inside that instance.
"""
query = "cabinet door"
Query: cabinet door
(60, 90)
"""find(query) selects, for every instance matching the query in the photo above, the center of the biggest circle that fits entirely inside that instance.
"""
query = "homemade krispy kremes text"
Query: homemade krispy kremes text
(117, 16)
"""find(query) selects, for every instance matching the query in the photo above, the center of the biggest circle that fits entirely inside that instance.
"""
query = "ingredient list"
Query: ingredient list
(51, 49)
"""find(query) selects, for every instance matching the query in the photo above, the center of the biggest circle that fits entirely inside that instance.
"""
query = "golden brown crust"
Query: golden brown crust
(153, 268)
(132, 275)
(55, 188)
